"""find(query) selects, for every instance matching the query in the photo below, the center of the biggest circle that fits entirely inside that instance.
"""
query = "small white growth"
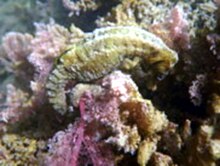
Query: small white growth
(120, 85)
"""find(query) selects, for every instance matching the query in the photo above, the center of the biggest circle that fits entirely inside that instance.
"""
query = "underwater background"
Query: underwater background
(109, 82)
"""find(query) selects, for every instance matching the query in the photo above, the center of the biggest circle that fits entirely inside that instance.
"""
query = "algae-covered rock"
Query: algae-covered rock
(18, 150)
(145, 151)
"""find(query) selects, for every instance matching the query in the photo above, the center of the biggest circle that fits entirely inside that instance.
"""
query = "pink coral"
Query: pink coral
(65, 145)
(25, 52)
(195, 90)
(16, 105)
(80, 5)
(26, 55)
(17, 46)
(103, 110)
(178, 26)
(98, 127)
(174, 30)
(49, 42)
(214, 42)
(15, 49)
(76, 146)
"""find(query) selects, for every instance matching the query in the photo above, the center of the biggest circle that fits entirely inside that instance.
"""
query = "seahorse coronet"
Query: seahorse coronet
(101, 52)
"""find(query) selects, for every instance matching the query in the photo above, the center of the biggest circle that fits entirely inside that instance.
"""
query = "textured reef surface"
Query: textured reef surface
(110, 82)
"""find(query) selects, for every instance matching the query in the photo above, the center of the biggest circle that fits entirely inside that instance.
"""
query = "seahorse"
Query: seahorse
(101, 52)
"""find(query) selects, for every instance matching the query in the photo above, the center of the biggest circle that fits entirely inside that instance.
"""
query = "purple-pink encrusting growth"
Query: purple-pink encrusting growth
(24, 52)
(75, 146)
(49, 42)
(103, 111)
(15, 107)
(89, 140)
(15, 49)
(76, 7)
(195, 90)
(17, 46)
(174, 30)
(65, 145)
(178, 27)
(30, 58)
(214, 42)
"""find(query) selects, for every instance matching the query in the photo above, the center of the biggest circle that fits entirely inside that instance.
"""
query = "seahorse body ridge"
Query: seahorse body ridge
(101, 52)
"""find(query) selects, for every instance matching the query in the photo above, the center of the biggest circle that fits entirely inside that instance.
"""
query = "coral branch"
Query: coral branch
(80, 5)
(16, 106)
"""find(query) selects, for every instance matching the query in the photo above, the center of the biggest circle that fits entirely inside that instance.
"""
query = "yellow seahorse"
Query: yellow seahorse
(103, 51)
